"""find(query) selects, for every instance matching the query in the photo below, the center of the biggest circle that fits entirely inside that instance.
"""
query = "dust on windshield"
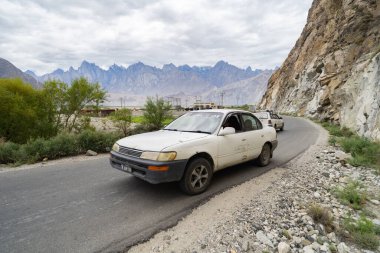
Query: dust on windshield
(198, 122)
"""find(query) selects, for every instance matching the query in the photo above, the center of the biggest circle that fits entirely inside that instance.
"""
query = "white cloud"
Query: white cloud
(43, 35)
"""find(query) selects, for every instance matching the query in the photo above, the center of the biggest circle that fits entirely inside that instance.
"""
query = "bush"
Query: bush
(362, 232)
(62, 145)
(321, 215)
(9, 152)
(24, 112)
(363, 151)
(122, 119)
(352, 195)
(156, 112)
(96, 141)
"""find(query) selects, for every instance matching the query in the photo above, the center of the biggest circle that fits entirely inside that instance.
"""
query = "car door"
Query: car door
(253, 134)
(231, 148)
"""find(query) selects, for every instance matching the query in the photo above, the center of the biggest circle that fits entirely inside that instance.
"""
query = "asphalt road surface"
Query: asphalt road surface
(87, 206)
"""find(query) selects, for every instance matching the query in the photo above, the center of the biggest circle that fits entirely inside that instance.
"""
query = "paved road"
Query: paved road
(87, 206)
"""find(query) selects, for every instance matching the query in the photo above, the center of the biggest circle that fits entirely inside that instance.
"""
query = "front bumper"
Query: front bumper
(139, 168)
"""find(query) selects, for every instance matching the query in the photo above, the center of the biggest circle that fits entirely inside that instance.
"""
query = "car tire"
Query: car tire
(197, 176)
(264, 157)
(282, 128)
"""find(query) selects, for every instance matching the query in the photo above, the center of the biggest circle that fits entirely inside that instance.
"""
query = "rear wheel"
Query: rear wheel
(264, 158)
(197, 176)
(282, 128)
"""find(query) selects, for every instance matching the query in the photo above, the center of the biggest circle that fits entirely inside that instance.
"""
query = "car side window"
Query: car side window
(274, 116)
(233, 120)
(251, 123)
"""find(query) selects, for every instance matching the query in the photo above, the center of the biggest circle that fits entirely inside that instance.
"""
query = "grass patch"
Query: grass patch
(352, 194)
(321, 215)
(141, 120)
(286, 234)
(363, 232)
(364, 152)
(336, 130)
(62, 145)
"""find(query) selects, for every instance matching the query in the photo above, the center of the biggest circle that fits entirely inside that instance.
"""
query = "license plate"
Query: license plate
(126, 168)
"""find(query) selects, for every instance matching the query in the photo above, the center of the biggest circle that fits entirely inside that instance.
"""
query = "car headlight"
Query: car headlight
(159, 156)
(116, 147)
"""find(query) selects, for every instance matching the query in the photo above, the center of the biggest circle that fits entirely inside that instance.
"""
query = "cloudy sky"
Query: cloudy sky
(43, 35)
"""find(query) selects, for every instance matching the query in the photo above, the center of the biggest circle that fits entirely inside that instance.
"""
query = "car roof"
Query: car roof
(224, 111)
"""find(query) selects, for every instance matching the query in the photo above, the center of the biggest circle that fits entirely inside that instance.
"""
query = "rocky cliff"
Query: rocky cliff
(333, 71)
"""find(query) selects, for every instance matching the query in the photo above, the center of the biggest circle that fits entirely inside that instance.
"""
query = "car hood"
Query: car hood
(159, 140)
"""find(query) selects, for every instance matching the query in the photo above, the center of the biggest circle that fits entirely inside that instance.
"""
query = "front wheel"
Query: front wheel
(264, 157)
(282, 128)
(197, 176)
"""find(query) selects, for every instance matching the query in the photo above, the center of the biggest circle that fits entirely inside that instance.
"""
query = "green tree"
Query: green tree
(81, 94)
(122, 119)
(68, 101)
(56, 92)
(24, 112)
(156, 112)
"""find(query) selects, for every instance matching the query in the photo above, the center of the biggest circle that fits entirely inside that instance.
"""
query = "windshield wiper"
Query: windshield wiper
(198, 131)
(170, 129)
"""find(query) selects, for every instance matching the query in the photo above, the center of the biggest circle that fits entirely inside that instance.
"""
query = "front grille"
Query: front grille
(130, 151)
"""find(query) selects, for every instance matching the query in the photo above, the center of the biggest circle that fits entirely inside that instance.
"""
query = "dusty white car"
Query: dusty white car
(194, 146)
(271, 119)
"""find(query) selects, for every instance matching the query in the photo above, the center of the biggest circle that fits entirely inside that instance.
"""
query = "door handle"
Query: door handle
(262, 136)
(243, 139)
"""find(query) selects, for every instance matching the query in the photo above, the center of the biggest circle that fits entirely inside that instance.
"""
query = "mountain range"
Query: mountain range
(133, 83)
(183, 81)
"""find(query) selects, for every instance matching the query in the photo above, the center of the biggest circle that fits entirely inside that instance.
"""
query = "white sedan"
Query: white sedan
(194, 146)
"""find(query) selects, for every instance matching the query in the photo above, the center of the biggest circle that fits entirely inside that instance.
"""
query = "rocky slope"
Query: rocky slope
(333, 71)
(271, 213)
(248, 91)
(8, 70)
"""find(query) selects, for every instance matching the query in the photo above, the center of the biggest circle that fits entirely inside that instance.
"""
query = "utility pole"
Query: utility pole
(222, 95)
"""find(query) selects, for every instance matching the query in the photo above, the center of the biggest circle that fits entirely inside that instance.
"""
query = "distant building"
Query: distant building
(204, 105)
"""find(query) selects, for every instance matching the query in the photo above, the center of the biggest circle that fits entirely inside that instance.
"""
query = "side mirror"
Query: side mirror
(226, 131)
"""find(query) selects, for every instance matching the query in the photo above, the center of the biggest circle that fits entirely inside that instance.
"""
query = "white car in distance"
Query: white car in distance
(194, 146)
(271, 119)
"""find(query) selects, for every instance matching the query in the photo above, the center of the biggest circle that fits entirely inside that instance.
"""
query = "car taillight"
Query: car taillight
(269, 121)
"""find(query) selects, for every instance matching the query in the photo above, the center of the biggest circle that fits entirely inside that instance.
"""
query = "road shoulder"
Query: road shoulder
(212, 220)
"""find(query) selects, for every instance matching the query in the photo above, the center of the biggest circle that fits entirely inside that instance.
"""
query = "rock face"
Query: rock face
(8, 70)
(333, 71)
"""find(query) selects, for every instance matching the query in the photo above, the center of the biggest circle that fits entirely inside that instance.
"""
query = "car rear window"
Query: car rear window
(261, 115)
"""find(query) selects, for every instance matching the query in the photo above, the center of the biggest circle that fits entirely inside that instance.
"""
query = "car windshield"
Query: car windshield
(197, 122)
(261, 115)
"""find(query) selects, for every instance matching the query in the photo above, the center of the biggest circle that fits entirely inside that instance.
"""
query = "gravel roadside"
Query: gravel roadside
(270, 213)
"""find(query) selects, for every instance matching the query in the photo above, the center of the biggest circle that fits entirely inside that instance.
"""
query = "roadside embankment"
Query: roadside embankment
(315, 203)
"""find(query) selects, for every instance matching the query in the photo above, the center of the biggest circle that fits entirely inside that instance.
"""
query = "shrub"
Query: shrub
(364, 151)
(62, 145)
(362, 232)
(321, 215)
(352, 195)
(122, 119)
(156, 112)
(9, 152)
(96, 141)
